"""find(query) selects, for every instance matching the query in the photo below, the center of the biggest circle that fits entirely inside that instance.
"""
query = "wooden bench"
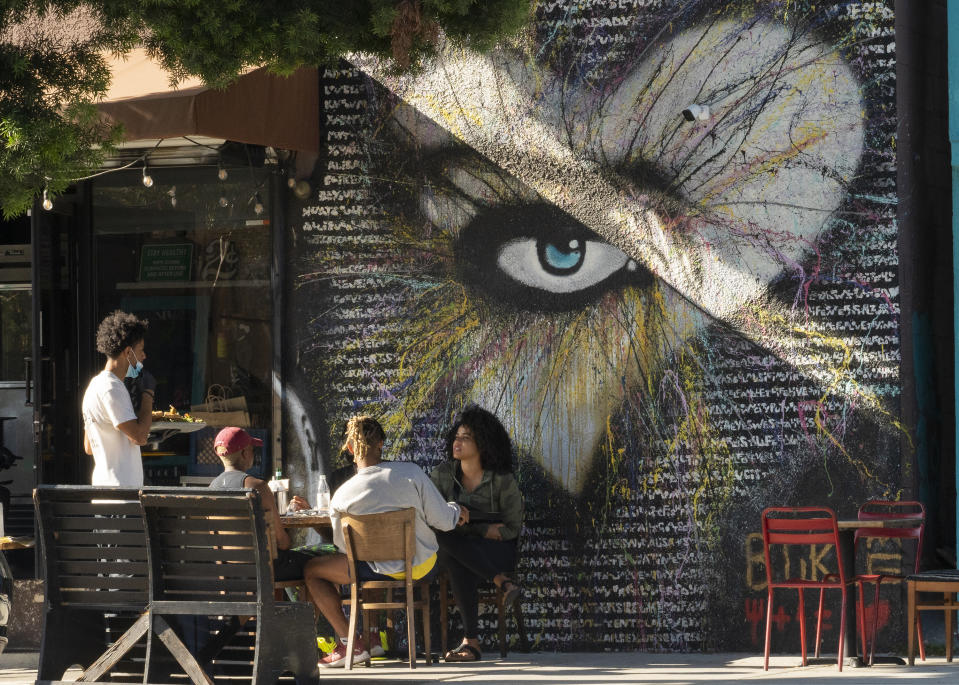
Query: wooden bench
(209, 555)
(94, 564)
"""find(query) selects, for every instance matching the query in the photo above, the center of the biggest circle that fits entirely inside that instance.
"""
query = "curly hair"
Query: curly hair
(492, 440)
(118, 331)
(362, 432)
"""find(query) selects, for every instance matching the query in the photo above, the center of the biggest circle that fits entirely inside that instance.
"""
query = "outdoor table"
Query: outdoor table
(847, 557)
(319, 521)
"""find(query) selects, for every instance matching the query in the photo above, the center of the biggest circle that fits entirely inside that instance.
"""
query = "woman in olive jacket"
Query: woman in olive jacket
(479, 476)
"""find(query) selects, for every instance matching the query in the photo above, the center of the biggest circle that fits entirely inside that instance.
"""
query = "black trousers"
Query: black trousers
(471, 560)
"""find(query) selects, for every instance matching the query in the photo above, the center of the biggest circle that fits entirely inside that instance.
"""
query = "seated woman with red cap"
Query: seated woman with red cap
(234, 446)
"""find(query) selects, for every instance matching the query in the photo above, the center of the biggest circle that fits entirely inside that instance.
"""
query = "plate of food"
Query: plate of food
(173, 421)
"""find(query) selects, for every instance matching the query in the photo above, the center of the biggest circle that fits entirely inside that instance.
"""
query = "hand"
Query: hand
(494, 531)
(147, 381)
(464, 516)
(297, 503)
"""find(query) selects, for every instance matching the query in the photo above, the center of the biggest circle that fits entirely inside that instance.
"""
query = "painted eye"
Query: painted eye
(559, 266)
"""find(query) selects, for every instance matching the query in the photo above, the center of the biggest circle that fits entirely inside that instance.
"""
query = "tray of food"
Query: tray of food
(168, 423)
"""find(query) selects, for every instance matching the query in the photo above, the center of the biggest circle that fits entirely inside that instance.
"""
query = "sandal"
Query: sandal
(462, 654)
(511, 595)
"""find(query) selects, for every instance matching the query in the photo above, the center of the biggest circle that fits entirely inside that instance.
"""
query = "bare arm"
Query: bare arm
(139, 429)
(87, 447)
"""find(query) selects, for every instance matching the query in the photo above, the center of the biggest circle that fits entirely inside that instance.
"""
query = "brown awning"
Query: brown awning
(258, 108)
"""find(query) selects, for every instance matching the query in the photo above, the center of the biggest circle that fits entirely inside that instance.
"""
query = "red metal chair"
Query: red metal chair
(881, 509)
(802, 527)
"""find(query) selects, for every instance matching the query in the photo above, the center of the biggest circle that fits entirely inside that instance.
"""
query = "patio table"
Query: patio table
(318, 520)
(847, 557)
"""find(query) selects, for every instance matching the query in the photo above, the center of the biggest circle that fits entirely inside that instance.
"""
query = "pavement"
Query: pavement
(598, 669)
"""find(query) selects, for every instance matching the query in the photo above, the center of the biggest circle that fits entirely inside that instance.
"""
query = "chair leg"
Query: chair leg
(842, 627)
(819, 624)
(912, 620)
(769, 626)
(922, 648)
(520, 625)
(410, 624)
(425, 590)
(949, 599)
(802, 628)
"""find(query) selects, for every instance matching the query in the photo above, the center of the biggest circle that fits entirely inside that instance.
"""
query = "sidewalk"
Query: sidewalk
(597, 669)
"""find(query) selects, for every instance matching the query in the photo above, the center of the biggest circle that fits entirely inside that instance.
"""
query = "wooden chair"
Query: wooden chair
(944, 583)
(209, 555)
(802, 527)
(881, 509)
(94, 563)
(385, 537)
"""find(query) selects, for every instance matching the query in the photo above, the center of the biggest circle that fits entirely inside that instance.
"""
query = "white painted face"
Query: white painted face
(609, 228)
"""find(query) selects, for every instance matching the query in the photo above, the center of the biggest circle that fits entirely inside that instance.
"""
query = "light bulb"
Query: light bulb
(147, 178)
(221, 172)
(291, 182)
(47, 203)
(223, 201)
(257, 204)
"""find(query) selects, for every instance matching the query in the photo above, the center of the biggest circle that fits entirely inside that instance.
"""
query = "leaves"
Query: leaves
(53, 66)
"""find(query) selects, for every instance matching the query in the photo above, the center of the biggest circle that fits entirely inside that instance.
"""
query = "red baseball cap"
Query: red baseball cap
(233, 439)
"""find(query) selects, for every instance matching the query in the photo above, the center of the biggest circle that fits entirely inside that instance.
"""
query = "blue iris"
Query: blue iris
(561, 258)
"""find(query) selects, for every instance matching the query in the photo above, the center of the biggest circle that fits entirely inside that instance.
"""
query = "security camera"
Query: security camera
(694, 112)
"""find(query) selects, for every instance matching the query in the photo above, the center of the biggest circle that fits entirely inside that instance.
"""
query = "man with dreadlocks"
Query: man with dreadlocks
(377, 487)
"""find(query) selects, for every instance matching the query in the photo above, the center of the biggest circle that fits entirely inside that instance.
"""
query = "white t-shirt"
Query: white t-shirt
(107, 404)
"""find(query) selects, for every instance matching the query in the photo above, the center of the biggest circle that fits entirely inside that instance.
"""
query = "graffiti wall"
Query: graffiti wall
(658, 239)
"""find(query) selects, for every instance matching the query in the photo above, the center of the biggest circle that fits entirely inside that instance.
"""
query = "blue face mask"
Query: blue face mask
(134, 369)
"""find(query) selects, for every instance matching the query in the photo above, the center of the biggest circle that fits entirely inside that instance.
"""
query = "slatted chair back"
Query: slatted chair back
(883, 509)
(209, 555)
(93, 545)
(209, 552)
(387, 536)
(799, 526)
(380, 537)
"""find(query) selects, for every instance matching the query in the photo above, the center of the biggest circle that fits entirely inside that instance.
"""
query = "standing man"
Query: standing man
(112, 430)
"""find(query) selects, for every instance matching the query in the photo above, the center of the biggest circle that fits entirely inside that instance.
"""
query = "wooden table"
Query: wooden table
(319, 522)
(847, 557)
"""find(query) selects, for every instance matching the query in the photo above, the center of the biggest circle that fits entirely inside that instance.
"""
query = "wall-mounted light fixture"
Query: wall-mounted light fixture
(696, 113)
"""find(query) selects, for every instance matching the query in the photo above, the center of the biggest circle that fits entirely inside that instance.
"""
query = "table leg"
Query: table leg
(848, 560)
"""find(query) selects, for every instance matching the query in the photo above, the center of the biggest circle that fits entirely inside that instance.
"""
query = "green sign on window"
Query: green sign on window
(166, 262)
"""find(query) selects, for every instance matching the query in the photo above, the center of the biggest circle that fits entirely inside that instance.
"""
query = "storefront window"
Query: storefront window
(193, 254)
(14, 331)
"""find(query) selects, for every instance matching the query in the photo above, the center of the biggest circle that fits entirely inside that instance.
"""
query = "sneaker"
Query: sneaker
(337, 658)
(377, 651)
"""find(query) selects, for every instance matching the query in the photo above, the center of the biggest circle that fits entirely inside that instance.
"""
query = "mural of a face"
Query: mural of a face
(611, 228)
(543, 232)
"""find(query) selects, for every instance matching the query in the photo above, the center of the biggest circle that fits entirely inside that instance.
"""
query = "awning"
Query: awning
(258, 108)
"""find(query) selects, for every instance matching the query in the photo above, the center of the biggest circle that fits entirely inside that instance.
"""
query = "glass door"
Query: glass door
(53, 368)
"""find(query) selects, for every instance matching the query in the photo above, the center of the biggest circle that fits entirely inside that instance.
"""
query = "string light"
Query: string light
(147, 178)
(223, 201)
(221, 172)
(47, 203)
(172, 193)
(291, 182)
(257, 204)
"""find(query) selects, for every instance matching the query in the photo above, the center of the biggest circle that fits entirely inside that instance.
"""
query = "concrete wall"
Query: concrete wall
(680, 322)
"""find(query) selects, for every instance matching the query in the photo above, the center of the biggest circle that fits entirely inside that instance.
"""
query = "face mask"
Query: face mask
(134, 369)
